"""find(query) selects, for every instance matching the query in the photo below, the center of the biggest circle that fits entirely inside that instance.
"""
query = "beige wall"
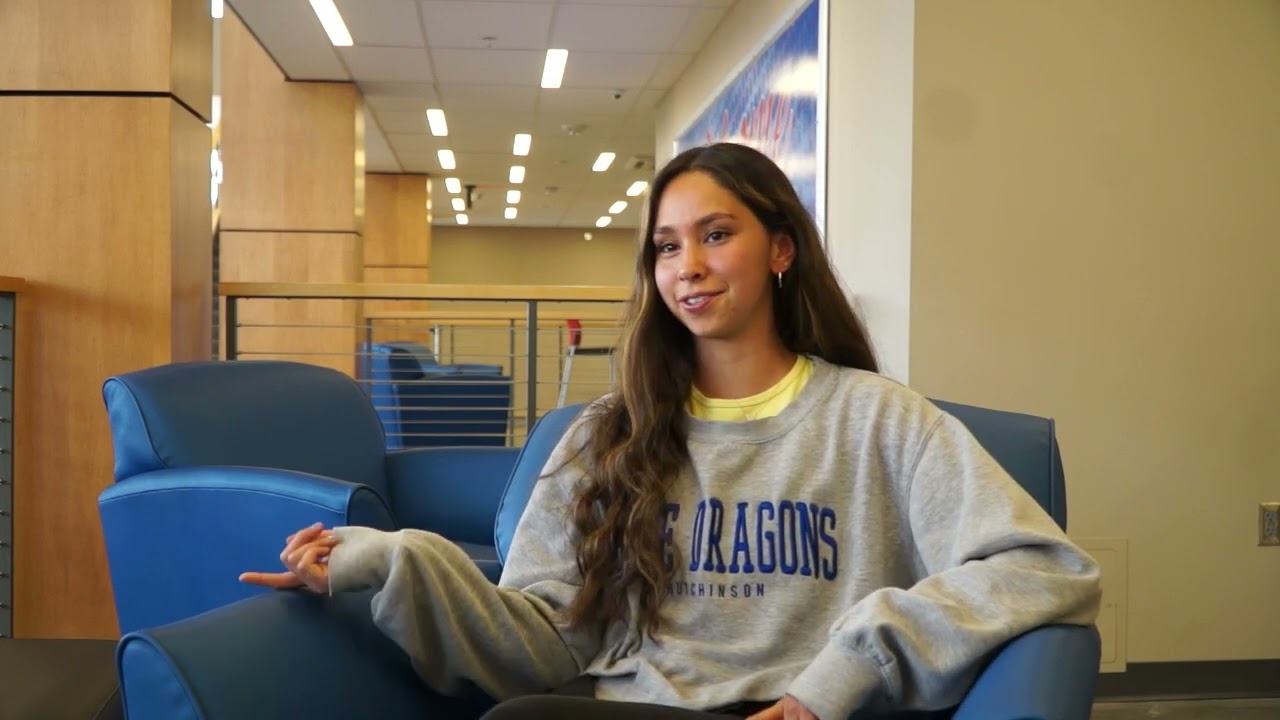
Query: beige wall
(531, 256)
(1097, 237)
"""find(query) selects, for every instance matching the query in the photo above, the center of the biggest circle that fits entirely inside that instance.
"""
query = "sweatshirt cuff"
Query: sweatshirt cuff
(837, 682)
(361, 559)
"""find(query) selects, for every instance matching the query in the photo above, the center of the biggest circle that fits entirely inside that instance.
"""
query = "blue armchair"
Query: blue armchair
(217, 462)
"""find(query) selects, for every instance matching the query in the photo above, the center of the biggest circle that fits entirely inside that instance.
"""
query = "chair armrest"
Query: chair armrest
(1049, 673)
(178, 539)
(451, 491)
(281, 655)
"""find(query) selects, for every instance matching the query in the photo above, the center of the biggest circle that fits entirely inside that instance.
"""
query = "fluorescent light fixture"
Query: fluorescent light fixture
(332, 22)
(435, 119)
(603, 221)
(603, 162)
(447, 161)
(216, 8)
(517, 174)
(459, 205)
(453, 185)
(509, 213)
(617, 207)
(522, 143)
(636, 188)
(463, 219)
(513, 197)
(553, 68)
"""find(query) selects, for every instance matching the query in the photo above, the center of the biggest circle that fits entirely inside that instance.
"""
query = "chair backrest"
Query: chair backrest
(1024, 445)
(542, 439)
(276, 414)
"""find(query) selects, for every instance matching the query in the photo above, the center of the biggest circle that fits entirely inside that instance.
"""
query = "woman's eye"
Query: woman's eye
(665, 248)
(717, 235)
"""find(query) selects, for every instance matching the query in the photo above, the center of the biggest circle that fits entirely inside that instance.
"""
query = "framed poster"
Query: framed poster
(777, 104)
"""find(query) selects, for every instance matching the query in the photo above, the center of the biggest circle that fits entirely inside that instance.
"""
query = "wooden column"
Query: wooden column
(397, 249)
(104, 210)
(292, 204)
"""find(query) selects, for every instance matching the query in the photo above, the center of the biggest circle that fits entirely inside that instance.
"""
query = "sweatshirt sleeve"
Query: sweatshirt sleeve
(995, 566)
(454, 624)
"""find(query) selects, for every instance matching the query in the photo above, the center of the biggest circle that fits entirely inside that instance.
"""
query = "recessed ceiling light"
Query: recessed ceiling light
(617, 207)
(459, 204)
(603, 221)
(453, 185)
(509, 213)
(521, 144)
(636, 188)
(447, 161)
(603, 162)
(435, 119)
(463, 219)
(553, 68)
(332, 22)
(517, 174)
(513, 197)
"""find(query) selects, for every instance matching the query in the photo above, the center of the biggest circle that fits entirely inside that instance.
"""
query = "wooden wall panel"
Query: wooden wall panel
(191, 267)
(122, 45)
(389, 330)
(323, 332)
(292, 151)
(88, 224)
(396, 231)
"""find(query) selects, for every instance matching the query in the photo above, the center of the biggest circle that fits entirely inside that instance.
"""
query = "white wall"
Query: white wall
(868, 190)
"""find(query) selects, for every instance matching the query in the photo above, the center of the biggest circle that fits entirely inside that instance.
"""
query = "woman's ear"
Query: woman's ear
(782, 252)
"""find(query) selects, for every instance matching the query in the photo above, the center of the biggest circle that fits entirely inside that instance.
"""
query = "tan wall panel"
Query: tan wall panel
(532, 256)
(396, 232)
(389, 330)
(87, 224)
(191, 286)
(328, 334)
(191, 55)
(123, 45)
(292, 152)
(1094, 225)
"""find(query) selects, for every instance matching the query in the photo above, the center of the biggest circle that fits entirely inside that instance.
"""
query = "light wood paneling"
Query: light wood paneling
(191, 288)
(399, 328)
(396, 232)
(292, 151)
(122, 45)
(322, 332)
(88, 224)
(321, 289)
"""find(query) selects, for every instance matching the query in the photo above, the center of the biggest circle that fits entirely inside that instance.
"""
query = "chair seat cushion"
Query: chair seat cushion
(485, 556)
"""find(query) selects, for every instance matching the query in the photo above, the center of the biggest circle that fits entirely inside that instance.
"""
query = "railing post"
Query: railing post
(229, 327)
(531, 365)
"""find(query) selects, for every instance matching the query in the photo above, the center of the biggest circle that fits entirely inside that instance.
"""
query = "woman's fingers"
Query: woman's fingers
(275, 581)
(311, 571)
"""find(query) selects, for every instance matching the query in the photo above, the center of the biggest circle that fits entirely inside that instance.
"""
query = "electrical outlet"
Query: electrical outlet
(1269, 523)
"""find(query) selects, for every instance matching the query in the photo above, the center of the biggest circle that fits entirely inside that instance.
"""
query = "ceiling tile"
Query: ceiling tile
(693, 36)
(382, 22)
(294, 38)
(509, 100)
(606, 70)
(570, 102)
(401, 121)
(669, 70)
(388, 64)
(489, 67)
(399, 96)
(522, 26)
(617, 28)
(378, 156)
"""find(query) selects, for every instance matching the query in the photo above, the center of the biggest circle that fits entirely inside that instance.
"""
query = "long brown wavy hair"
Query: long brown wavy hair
(636, 447)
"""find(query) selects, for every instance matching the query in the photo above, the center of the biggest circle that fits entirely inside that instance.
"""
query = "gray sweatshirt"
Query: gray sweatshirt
(858, 550)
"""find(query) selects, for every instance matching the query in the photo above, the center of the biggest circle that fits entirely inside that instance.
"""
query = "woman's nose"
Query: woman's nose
(692, 264)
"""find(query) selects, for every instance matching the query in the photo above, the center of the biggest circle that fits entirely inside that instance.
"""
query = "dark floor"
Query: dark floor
(1190, 710)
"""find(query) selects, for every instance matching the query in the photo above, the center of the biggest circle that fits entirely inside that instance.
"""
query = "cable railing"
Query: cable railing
(10, 289)
(443, 365)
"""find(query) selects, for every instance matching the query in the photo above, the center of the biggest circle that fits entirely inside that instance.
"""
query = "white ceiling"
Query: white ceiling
(481, 62)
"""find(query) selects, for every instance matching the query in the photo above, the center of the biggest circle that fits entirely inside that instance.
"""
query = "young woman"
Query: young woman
(754, 523)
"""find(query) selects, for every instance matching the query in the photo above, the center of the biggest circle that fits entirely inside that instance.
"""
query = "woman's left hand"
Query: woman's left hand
(788, 708)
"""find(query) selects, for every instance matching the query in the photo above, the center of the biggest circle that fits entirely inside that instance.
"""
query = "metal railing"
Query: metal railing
(442, 364)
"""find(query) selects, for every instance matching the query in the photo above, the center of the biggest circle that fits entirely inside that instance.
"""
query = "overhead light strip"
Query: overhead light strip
(553, 68)
(331, 19)
(435, 120)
